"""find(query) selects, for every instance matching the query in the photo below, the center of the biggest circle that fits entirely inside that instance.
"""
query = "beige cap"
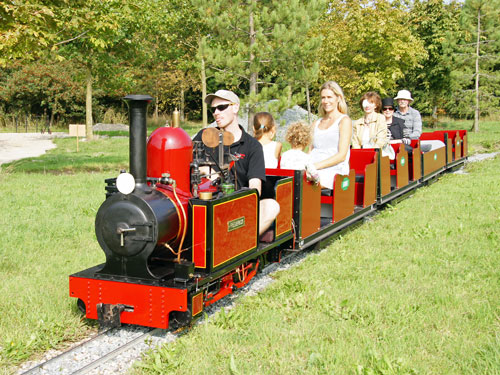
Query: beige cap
(223, 94)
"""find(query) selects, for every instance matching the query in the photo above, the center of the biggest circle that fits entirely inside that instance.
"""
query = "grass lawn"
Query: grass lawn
(383, 298)
(414, 291)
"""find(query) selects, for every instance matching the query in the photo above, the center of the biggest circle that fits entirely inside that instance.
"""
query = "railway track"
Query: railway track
(97, 351)
(101, 353)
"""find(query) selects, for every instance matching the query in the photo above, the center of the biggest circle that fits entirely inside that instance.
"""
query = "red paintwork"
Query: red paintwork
(364, 163)
(284, 196)
(230, 244)
(200, 236)
(206, 185)
(152, 304)
(245, 273)
(170, 150)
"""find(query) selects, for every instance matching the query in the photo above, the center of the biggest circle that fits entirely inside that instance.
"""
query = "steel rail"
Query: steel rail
(67, 352)
(114, 353)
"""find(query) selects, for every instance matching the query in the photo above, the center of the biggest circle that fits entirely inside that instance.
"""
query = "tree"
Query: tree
(170, 34)
(38, 88)
(432, 21)
(248, 47)
(98, 36)
(367, 46)
(28, 28)
(477, 57)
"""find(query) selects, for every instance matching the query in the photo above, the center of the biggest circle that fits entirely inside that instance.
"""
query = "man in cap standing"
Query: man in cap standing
(411, 117)
(250, 168)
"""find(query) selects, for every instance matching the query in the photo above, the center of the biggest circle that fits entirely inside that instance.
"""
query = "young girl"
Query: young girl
(299, 136)
(265, 130)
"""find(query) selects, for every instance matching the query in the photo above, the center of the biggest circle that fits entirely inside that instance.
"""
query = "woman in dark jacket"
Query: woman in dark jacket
(395, 126)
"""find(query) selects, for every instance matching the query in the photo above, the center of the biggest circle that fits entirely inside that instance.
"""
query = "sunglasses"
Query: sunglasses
(388, 109)
(220, 107)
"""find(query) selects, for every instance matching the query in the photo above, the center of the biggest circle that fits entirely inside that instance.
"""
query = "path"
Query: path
(15, 146)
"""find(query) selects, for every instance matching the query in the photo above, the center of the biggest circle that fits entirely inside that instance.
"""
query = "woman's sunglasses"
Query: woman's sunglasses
(220, 107)
(388, 109)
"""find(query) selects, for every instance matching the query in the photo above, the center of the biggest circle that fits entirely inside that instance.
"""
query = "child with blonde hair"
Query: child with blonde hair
(264, 131)
(299, 136)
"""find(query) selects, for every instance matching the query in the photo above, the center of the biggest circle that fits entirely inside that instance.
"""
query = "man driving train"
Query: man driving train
(250, 168)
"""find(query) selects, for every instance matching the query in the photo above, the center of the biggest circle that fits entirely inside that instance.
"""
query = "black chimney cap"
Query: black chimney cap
(138, 97)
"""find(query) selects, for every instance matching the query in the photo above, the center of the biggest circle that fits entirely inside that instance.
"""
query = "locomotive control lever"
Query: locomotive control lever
(124, 230)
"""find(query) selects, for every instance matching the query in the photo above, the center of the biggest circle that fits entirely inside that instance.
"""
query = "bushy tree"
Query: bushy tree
(432, 21)
(367, 46)
(43, 88)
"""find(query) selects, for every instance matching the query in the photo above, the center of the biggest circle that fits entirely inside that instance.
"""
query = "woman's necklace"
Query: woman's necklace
(369, 119)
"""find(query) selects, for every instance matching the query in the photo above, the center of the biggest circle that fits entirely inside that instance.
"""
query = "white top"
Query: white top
(365, 142)
(326, 144)
(270, 154)
(294, 159)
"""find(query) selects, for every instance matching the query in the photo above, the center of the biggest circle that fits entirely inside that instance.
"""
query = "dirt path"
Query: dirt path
(14, 146)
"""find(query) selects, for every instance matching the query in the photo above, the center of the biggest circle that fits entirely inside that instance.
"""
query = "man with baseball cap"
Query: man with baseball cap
(411, 117)
(250, 168)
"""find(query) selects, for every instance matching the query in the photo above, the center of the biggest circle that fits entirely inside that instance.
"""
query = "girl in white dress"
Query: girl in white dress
(331, 136)
(265, 131)
(298, 135)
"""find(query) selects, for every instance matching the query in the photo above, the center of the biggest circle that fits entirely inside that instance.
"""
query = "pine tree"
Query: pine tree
(251, 43)
(477, 58)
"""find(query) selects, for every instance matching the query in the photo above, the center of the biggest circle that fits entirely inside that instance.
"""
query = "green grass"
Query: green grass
(414, 291)
(107, 154)
(373, 300)
(47, 233)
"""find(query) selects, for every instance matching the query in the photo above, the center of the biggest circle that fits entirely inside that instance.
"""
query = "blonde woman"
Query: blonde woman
(331, 136)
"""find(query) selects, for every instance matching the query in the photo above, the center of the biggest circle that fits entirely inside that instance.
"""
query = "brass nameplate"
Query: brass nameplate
(236, 224)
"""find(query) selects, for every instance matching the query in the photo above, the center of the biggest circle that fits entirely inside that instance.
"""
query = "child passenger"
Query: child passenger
(299, 136)
(265, 131)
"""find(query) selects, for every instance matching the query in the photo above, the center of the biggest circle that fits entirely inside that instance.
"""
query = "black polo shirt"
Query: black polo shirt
(250, 165)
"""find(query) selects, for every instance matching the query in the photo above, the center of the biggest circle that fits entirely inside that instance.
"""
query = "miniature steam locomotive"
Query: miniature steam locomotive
(176, 242)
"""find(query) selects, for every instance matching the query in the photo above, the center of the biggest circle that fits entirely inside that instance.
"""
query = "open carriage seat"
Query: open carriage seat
(365, 164)
(338, 203)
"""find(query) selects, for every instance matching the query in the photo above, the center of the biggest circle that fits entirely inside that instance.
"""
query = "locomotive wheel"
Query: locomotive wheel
(81, 306)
